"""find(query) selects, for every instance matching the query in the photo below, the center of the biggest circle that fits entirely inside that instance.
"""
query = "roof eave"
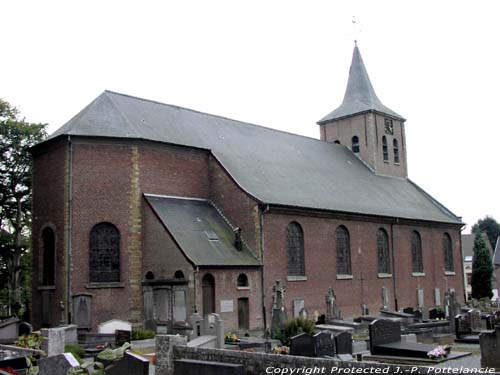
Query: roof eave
(328, 120)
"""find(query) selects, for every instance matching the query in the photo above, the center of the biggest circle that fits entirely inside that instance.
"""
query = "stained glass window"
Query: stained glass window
(384, 264)
(448, 253)
(295, 249)
(343, 251)
(104, 257)
(416, 252)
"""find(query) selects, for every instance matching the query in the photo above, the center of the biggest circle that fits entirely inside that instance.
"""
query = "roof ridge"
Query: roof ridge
(212, 115)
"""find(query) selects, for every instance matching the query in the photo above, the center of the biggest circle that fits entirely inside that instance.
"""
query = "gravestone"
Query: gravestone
(303, 313)
(81, 310)
(417, 314)
(112, 325)
(179, 310)
(196, 322)
(298, 306)
(303, 345)
(437, 297)
(130, 364)
(433, 313)
(332, 310)
(385, 298)
(278, 318)
(463, 329)
(57, 365)
(122, 336)
(9, 330)
(385, 340)
(475, 320)
(420, 298)
(425, 313)
(13, 359)
(343, 342)
(490, 321)
(451, 308)
(324, 344)
(409, 310)
(364, 309)
(490, 349)
(53, 340)
(383, 331)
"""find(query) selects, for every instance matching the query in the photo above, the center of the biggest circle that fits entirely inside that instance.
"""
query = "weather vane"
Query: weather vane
(355, 29)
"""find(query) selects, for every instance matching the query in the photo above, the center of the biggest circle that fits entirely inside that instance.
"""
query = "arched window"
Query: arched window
(179, 274)
(448, 253)
(416, 252)
(385, 150)
(355, 144)
(384, 264)
(49, 256)
(242, 280)
(104, 256)
(343, 251)
(295, 249)
(396, 150)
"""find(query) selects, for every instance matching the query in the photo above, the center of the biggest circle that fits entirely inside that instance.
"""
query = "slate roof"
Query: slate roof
(359, 95)
(203, 235)
(468, 244)
(273, 166)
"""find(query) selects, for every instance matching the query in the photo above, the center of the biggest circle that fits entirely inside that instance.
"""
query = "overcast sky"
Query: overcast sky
(281, 64)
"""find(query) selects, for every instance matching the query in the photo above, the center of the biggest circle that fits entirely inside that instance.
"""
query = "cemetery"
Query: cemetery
(388, 338)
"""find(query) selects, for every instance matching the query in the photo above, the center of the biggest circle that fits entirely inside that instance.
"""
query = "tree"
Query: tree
(482, 269)
(490, 226)
(16, 137)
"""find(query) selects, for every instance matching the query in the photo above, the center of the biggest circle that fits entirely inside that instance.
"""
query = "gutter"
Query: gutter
(464, 284)
(394, 267)
(262, 280)
(70, 230)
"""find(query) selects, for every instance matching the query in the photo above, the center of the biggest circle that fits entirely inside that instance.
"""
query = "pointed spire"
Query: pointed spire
(359, 95)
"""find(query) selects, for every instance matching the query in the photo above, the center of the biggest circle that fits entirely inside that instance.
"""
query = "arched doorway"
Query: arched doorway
(208, 289)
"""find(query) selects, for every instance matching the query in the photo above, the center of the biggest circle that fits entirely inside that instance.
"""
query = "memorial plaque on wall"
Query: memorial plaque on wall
(226, 305)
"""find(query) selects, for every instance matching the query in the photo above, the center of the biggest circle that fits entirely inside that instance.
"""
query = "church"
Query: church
(149, 212)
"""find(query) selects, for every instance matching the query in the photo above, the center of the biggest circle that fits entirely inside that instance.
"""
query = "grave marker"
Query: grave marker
(343, 342)
(324, 344)
(490, 348)
(57, 365)
(302, 344)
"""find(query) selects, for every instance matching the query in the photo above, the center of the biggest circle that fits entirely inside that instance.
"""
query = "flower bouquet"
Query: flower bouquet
(281, 350)
(439, 352)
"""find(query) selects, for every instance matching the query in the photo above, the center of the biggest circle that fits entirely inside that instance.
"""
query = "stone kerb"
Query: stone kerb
(54, 340)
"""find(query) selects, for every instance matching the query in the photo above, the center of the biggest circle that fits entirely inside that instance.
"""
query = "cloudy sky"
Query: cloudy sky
(282, 64)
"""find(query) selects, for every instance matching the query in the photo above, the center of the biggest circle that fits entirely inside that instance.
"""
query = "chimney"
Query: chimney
(237, 239)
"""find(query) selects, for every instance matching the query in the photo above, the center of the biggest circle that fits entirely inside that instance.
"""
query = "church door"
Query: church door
(243, 314)
(208, 288)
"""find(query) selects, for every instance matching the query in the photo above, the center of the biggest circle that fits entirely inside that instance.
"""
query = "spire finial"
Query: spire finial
(355, 30)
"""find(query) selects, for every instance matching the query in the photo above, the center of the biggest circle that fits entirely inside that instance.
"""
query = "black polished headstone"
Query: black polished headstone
(302, 345)
(343, 341)
(122, 336)
(384, 331)
(409, 310)
(324, 343)
(12, 359)
(130, 364)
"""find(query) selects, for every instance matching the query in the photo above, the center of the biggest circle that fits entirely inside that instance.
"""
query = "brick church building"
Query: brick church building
(148, 212)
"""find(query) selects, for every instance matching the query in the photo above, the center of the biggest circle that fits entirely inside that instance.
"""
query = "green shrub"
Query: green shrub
(293, 327)
(32, 341)
(142, 334)
(77, 350)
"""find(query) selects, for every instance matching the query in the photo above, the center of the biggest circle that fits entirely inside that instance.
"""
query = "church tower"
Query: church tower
(371, 130)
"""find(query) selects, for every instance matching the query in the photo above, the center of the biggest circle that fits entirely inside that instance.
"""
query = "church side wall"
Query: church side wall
(366, 284)
(237, 206)
(49, 210)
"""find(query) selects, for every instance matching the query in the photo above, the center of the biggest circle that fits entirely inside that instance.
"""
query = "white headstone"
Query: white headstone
(112, 325)
(298, 306)
(437, 297)
(420, 297)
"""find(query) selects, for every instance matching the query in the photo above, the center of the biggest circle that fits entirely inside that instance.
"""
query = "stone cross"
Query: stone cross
(279, 294)
(331, 306)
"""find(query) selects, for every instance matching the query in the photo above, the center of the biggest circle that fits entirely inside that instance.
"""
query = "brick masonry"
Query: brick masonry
(108, 180)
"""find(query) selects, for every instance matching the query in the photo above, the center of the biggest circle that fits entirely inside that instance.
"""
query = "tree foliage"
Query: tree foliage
(490, 226)
(16, 137)
(482, 269)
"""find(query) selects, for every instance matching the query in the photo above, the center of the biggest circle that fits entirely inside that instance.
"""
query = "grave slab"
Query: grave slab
(57, 365)
(196, 367)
